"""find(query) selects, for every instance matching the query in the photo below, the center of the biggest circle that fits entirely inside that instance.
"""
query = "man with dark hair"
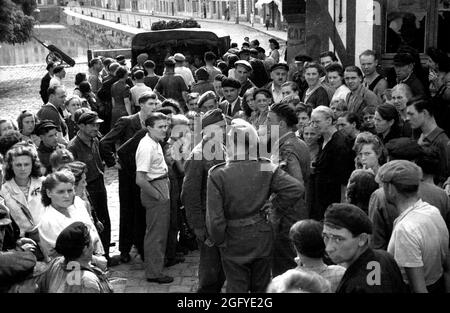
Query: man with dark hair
(346, 233)
(152, 178)
(45, 82)
(138, 89)
(349, 124)
(53, 111)
(327, 57)
(132, 228)
(420, 114)
(404, 70)
(172, 85)
(58, 75)
(420, 240)
(259, 74)
(151, 79)
(232, 103)
(254, 43)
(359, 96)
(47, 131)
(85, 148)
(372, 79)
(210, 60)
(193, 196)
(292, 155)
(237, 190)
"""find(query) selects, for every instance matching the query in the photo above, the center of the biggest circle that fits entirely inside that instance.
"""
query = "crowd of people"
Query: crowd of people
(325, 178)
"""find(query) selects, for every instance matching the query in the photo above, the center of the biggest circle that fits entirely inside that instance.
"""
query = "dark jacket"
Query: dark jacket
(259, 75)
(124, 129)
(127, 152)
(193, 195)
(226, 107)
(417, 88)
(88, 154)
(357, 276)
(45, 83)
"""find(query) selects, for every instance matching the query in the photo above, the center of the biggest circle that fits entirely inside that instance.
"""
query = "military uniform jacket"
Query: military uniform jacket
(193, 195)
(238, 190)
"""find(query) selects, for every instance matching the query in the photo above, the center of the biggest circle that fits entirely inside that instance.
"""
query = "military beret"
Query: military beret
(400, 172)
(402, 59)
(44, 126)
(205, 97)
(212, 117)
(231, 82)
(283, 66)
(202, 74)
(4, 216)
(58, 69)
(244, 63)
(348, 216)
(72, 239)
(89, 118)
(403, 148)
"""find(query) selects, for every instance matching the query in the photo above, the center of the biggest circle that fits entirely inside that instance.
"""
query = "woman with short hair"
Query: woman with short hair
(62, 208)
(27, 122)
(360, 187)
(369, 152)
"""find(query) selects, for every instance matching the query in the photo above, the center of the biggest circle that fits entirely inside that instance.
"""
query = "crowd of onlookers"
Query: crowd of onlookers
(341, 183)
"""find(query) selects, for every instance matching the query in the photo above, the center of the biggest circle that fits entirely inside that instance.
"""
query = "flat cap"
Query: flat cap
(231, 82)
(209, 95)
(402, 59)
(213, 117)
(58, 69)
(243, 63)
(282, 66)
(73, 238)
(4, 216)
(89, 118)
(44, 126)
(348, 216)
(179, 57)
(403, 148)
(202, 74)
(400, 172)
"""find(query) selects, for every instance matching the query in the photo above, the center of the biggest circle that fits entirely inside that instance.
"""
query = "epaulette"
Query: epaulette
(216, 166)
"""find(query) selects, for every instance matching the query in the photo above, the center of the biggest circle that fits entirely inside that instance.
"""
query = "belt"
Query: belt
(159, 178)
(241, 222)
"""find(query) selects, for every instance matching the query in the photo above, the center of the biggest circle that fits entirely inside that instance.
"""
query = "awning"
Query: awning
(259, 4)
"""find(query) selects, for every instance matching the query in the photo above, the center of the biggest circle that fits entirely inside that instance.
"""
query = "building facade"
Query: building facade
(349, 27)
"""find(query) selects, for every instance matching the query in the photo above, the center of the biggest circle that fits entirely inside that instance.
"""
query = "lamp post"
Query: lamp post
(237, 11)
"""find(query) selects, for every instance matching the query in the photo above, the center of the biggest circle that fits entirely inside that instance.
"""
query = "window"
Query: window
(214, 7)
(242, 6)
(406, 24)
(443, 25)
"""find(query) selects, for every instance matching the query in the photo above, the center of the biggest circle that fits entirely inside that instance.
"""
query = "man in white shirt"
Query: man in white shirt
(138, 89)
(183, 70)
(58, 75)
(419, 240)
(151, 177)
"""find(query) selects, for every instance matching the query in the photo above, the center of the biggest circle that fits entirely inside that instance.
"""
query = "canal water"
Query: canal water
(64, 37)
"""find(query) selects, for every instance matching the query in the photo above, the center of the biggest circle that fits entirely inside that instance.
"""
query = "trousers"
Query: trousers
(157, 227)
(99, 198)
(211, 276)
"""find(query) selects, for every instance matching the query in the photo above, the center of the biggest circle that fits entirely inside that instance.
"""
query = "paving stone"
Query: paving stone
(179, 289)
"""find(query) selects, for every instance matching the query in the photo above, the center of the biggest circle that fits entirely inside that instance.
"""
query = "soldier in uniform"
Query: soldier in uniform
(210, 273)
(237, 190)
(292, 154)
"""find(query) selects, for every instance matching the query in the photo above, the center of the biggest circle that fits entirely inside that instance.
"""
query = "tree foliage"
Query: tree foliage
(16, 22)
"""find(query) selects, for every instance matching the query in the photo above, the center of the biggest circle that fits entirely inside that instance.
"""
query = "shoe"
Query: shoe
(125, 257)
(161, 280)
(114, 260)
